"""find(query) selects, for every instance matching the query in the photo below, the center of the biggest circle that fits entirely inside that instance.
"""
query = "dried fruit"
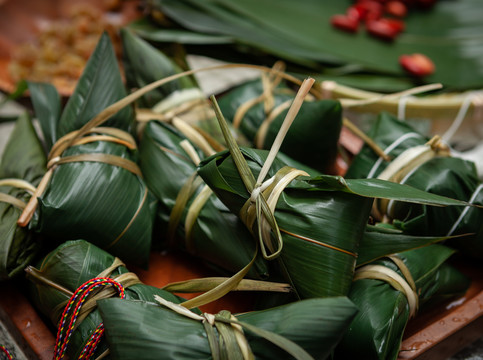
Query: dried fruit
(417, 64)
(345, 22)
(386, 29)
(372, 12)
(356, 12)
(396, 8)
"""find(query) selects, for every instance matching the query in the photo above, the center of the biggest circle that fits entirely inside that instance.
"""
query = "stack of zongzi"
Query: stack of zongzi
(319, 220)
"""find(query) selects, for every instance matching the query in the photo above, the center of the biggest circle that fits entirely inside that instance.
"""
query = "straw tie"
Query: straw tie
(271, 191)
(402, 167)
(349, 98)
(391, 147)
(56, 159)
(18, 184)
(404, 284)
(188, 189)
(189, 104)
(328, 86)
(231, 340)
(263, 211)
(270, 81)
(401, 106)
(474, 98)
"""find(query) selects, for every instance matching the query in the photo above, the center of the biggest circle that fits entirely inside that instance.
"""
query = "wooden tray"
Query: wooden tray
(435, 334)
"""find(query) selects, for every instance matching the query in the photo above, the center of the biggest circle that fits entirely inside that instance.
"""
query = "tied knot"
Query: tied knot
(438, 145)
(230, 336)
(210, 318)
(260, 209)
(53, 162)
(259, 188)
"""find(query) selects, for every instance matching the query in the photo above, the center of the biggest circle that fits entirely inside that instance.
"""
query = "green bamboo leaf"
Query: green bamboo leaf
(99, 86)
(144, 64)
(47, 107)
(382, 189)
(378, 242)
(449, 34)
(23, 156)
(82, 197)
(147, 30)
(82, 201)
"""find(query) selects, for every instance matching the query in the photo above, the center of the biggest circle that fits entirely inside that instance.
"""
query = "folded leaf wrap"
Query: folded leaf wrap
(377, 330)
(216, 234)
(69, 266)
(320, 229)
(21, 168)
(145, 331)
(448, 176)
(95, 190)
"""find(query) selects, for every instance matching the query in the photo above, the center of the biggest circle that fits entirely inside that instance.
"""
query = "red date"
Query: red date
(418, 65)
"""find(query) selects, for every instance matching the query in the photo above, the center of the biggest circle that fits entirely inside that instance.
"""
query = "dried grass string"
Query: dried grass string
(406, 164)
(475, 98)
(404, 284)
(56, 159)
(18, 184)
